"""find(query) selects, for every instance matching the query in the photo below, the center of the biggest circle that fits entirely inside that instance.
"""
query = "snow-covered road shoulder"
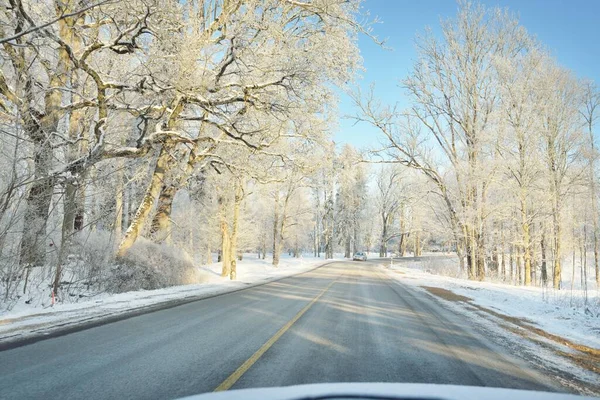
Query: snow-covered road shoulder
(24, 323)
(553, 329)
(561, 313)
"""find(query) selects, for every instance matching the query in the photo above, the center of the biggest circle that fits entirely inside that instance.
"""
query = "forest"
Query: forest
(141, 139)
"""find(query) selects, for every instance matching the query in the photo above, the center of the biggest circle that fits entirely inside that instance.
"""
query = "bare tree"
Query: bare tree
(591, 107)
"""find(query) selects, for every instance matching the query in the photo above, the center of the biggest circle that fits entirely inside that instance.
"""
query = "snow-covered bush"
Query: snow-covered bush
(94, 251)
(148, 265)
(443, 265)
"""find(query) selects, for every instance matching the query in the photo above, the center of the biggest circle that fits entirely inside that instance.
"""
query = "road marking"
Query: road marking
(233, 378)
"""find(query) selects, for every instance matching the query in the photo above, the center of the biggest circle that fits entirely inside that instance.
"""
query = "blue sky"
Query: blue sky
(570, 29)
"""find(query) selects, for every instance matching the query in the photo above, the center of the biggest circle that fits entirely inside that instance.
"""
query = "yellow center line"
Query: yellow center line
(233, 378)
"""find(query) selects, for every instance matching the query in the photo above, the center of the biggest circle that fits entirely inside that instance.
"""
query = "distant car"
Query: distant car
(359, 256)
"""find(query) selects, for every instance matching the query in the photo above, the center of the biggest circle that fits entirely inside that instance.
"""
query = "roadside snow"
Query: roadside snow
(26, 320)
(559, 312)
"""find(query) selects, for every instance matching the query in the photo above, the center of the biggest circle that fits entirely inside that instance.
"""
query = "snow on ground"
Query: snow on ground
(559, 312)
(26, 320)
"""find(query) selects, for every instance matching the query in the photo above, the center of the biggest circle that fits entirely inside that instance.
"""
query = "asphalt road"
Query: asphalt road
(343, 322)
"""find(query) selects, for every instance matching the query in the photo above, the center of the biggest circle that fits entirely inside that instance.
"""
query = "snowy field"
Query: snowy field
(25, 320)
(572, 314)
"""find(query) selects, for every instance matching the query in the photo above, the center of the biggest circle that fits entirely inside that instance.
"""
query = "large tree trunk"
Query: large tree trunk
(152, 191)
(160, 230)
(235, 227)
(33, 242)
(119, 203)
(164, 164)
(39, 197)
(73, 202)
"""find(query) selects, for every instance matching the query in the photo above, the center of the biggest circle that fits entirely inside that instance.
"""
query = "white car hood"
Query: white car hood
(384, 391)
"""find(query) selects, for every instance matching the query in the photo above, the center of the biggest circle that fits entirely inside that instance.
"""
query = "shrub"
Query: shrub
(148, 266)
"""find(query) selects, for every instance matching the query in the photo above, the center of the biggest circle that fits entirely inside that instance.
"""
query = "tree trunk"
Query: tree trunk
(401, 245)
(402, 241)
(532, 246)
(383, 244)
(472, 254)
(417, 243)
(225, 248)
(526, 239)
(480, 260)
(556, 274)
(296, 248)
(347, 248)
(264, 246)
(39, 197)
(503, 252)
(275, 229)
(511, 262)
(235, 225)
(118, 225)
(574, 259)
(519, 266)
(593, 196)
(160, 230)
(543, 250)
(596, 250)
(495, 262)
(145, 207)
(233, 271)
(461, 256)
(127, 206)
(315, 240)
(66, 234)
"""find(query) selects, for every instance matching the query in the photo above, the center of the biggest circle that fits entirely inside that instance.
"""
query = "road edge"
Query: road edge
(65, 328)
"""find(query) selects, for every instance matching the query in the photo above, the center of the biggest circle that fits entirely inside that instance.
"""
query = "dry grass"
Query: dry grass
(447, 294)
